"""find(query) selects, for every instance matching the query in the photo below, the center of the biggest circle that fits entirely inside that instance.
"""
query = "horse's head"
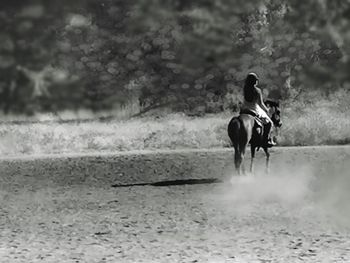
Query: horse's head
(274, 112)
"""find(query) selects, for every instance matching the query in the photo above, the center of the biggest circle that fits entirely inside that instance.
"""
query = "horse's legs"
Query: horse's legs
(252, 148)
(267, 160)
(238, 160)
(242, 160)
(243, 167)
(239, 157)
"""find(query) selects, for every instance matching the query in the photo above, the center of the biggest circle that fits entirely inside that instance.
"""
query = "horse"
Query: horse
(248, 129)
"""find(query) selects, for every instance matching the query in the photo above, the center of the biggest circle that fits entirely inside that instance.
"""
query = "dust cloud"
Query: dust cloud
(332, 193)
(285, 186)
(323, 189)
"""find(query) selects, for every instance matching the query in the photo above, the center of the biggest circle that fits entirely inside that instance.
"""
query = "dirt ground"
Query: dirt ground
(276, 218)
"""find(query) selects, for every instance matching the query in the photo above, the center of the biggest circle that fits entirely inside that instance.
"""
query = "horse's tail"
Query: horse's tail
(235, 132)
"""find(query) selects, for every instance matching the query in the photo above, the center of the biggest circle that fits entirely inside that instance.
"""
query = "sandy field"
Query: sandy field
(298, 213)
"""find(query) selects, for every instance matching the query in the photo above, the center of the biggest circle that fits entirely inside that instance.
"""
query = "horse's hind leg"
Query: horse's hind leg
(252, 148)
(239, 157)
(267, 160)
(238, 160)
(242, 163)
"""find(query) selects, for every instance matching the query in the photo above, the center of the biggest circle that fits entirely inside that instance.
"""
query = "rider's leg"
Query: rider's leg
(268, 141)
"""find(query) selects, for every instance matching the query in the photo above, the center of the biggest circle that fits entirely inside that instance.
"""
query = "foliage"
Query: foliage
(188, 56)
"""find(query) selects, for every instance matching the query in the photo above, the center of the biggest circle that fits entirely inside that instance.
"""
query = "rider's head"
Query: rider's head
(249, 91)
(251, 80)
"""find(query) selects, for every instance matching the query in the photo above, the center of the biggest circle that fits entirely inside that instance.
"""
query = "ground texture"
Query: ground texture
(245, 221)
(66, 210)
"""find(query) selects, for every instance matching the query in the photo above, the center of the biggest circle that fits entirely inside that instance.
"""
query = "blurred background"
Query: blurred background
(128, 58)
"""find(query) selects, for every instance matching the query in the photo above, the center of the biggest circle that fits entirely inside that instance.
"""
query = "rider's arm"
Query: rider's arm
(261, 101)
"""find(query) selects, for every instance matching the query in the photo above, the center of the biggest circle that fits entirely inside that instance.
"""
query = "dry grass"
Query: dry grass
(316, 126)
(303, 125)
(173, 131)
(318, 122)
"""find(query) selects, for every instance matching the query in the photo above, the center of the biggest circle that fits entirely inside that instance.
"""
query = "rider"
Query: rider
(253, 101)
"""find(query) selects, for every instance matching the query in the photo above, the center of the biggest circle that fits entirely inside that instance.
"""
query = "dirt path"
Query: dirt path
(263, 219)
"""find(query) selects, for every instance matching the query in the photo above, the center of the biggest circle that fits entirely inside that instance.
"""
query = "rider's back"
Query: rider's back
(251, 93)
(251, 98)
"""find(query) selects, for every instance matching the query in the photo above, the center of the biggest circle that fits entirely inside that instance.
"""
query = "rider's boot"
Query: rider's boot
(270, 142)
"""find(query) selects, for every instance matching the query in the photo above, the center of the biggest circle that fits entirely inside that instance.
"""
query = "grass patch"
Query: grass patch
(172, 132)
(316, 126)
(320, 124)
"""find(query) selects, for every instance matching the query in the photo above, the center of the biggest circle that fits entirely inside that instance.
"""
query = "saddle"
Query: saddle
(258, 122)
(258, 126)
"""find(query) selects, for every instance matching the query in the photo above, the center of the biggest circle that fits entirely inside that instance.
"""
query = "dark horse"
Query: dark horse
(247, 128)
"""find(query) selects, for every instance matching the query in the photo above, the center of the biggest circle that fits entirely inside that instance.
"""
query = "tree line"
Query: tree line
(189, 56)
